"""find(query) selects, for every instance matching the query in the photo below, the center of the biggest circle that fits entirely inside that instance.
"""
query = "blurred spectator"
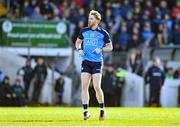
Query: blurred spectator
(134, 39)
(78, 3)
(136, 62)
(147, 34)
(1, 77)
(109, 20)
(116, 9)
(80, 17)
(126, 8)
(165, 66)
(18, 91)
(156, 22)
(39, 73)
(79, 26)
(168, 23)
(37, 16)
(149, 9)
(108, 86)
(176, 9)
(2, 9)
(62, 8)
(176, 34)
(177, 74)
(6, 93)
(46, 10)
(163, 9)
(161, 35)
(155, 78)
(120, 82)
(59, 88)
(27, 77)
(27, 9)
(123, 39)
(169, 73)
(129, 20)
(72, 73)
(137, 10)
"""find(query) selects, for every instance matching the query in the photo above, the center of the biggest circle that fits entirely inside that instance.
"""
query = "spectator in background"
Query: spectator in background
(2, 9)
(163, 9)
(62, 8)
(177, 74)
(156, 22)
(155, 78)
(134, 39)
(149, 9)
(116, 9)
(176, 9)
(1, 77)
(18, 91)
(165, 66)
(161, 35)
(120, 82)
(108, 18)
(136, 62)
(27, 77)
(72, 73)
(169, 74)
(59, 88)
(80, 17)
(129, 20)
(176, 34)
(37, 16)
(169, 25)
(147, 34)
(15, 9)
(126, 8)
(108, 86)
(79, 26)
(6, 93)
(123, 38)
(137, 10)
(46, 10)
(27, 9)
(39, 73)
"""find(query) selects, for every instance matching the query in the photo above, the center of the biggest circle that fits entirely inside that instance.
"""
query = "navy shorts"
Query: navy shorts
(91, 67)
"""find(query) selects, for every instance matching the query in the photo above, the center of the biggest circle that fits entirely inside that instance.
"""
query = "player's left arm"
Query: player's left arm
(108, 43)
(108, 47)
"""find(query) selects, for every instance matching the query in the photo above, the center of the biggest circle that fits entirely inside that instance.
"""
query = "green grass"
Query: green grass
(59, 116)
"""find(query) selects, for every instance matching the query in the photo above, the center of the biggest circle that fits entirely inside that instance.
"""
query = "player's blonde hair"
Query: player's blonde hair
(96, 14)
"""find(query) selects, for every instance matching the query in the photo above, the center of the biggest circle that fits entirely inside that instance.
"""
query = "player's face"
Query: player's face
(92, 21)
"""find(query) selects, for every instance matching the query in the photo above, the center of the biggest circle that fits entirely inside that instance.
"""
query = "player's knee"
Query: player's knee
(97, 88)
(84, 87)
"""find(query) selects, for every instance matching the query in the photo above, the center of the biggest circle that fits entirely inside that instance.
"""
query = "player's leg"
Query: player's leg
(85, 81)
(99, 93)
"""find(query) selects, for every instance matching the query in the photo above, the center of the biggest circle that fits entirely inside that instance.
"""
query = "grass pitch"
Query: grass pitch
(59, 116)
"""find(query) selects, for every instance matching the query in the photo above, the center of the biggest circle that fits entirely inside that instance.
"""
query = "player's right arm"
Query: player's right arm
(78, 43)
(79, 40)
(78, 47)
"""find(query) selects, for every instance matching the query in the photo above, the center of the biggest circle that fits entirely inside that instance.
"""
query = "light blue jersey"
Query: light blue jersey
(93, 39)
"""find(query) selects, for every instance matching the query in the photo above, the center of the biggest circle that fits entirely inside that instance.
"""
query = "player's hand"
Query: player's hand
(81, 52)
(97, 50)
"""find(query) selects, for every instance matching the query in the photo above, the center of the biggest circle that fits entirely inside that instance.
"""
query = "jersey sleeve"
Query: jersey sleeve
(107, 38)
(80, 36)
